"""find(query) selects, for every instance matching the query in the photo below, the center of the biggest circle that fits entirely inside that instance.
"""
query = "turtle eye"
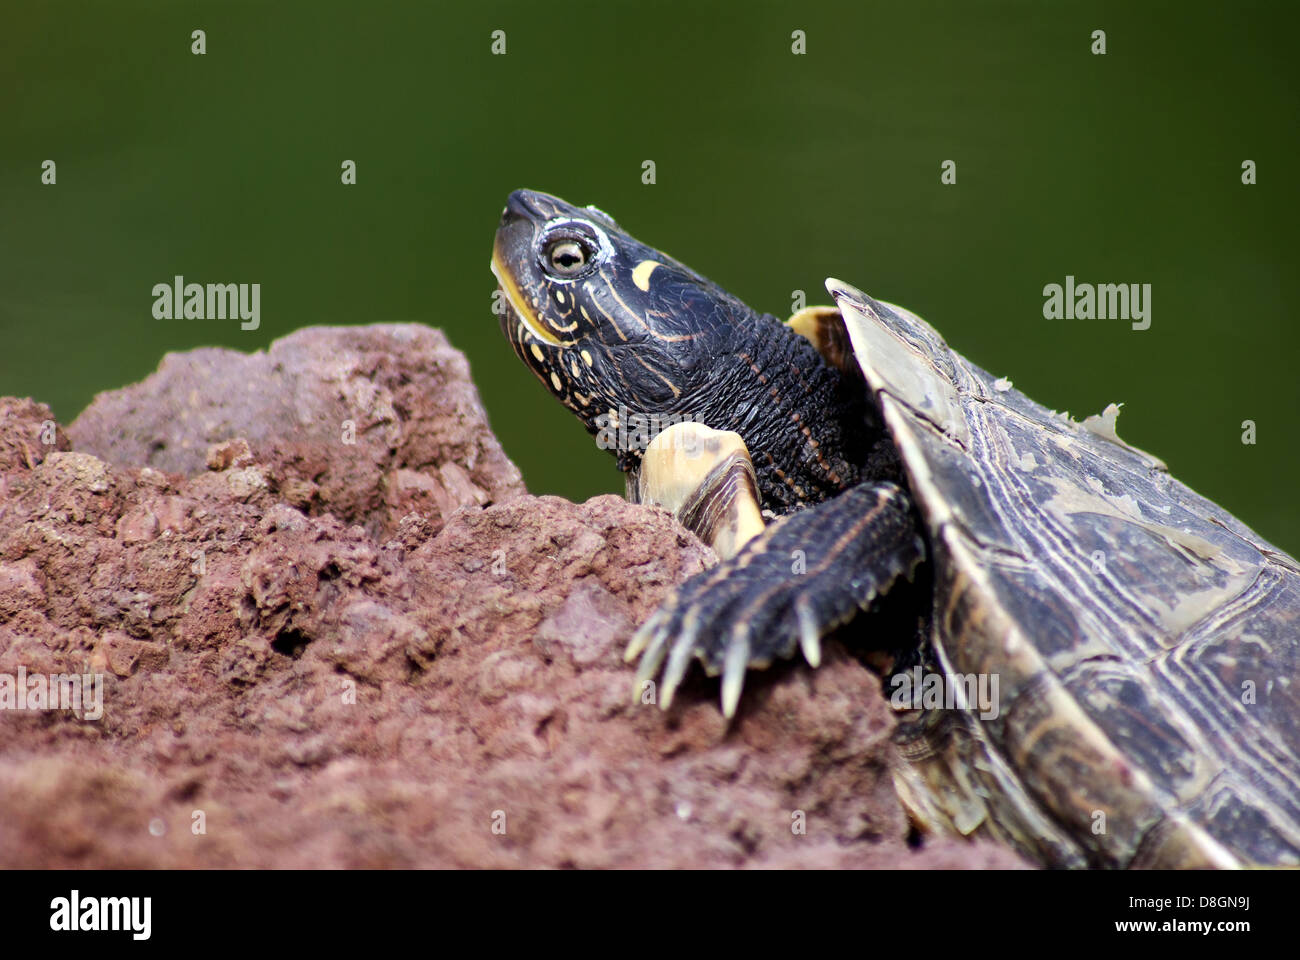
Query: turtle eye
(568, 256)
(570, 249)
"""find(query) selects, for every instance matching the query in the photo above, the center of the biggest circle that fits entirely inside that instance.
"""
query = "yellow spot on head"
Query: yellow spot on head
(555, 382)
(559, 295)
(586, 358)
(537, 352)
(641, 274)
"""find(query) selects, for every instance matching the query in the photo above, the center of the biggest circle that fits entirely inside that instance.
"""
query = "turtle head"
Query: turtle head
(604, 321)
(633, 341)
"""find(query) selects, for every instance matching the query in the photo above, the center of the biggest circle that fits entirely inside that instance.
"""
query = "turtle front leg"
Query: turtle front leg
(778, 588)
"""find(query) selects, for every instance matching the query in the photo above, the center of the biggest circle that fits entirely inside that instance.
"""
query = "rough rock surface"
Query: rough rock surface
(312, 681)
(366, 423)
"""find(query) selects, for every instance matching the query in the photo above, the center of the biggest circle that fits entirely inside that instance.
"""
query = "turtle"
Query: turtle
(858, 477)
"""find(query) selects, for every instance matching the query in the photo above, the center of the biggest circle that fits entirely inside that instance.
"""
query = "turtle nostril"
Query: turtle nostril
(519, 206)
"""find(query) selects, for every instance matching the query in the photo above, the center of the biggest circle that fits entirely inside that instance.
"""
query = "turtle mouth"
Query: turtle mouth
(519, 332)
(515, 302)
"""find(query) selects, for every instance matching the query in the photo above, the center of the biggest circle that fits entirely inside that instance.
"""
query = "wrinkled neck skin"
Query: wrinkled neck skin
(809, 428)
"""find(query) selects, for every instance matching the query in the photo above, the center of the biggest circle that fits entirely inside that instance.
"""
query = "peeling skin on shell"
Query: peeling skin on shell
(1104, 427)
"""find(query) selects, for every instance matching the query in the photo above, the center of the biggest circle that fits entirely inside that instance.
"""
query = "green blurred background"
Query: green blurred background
(774, 171)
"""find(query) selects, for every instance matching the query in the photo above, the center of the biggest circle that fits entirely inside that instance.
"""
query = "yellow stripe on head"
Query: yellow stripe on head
(526, 316)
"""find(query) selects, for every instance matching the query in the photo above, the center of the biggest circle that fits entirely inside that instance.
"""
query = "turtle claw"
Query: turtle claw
(641, 639)
(757, 606)
(733, 671)
(651, 660)
(810, 634)
(679, 659)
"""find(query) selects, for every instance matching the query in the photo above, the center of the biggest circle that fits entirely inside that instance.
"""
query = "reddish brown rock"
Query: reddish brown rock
(285, 685)
(356, 421)
(28, 434)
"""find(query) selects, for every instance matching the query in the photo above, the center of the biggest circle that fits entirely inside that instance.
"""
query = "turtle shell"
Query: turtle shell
(1146, 644)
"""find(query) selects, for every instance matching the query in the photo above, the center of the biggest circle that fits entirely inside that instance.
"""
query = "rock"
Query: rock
(341, 419)
(28, 434)
(586, 627)
(293, 672)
